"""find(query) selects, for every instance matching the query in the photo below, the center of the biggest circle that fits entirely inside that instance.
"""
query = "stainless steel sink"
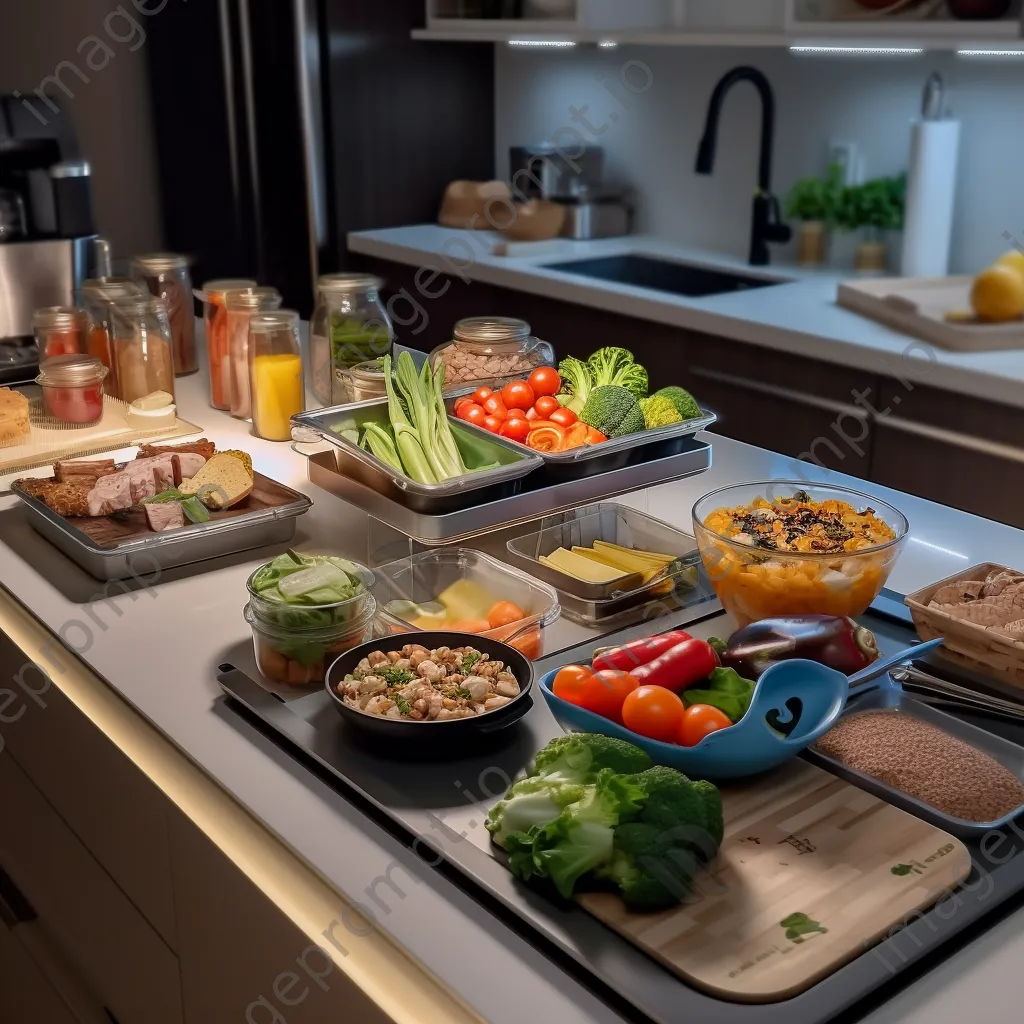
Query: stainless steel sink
(663, 275)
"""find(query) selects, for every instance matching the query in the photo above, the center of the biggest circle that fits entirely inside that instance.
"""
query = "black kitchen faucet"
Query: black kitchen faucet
(767, 224)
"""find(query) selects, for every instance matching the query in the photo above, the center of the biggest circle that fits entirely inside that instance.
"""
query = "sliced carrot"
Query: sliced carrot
(595, 436)
(548, 438)
(576, 436)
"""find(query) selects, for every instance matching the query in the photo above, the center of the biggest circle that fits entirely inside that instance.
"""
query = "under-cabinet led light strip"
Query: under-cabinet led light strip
(894, 50)
(554, 43)
(990, 53)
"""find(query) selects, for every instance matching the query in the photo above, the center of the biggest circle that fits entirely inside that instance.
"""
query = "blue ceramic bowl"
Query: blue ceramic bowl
(806, 691)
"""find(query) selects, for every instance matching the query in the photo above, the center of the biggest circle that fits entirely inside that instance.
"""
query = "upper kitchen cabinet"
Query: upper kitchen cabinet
(913, 24)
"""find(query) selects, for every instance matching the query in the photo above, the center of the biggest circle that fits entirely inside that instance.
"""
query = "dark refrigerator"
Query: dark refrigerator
(281, 125)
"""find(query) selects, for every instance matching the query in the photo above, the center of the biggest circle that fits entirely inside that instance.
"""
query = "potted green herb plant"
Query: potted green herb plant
(876, 207)
(814, 202)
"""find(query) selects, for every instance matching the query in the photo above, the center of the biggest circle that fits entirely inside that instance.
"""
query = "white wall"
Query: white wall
(870, 100)
(111, 113)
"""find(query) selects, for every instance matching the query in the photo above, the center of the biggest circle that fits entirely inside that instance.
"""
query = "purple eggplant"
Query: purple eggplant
(832, 640)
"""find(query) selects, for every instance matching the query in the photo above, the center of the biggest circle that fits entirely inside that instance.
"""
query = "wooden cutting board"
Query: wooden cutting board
(797, 842)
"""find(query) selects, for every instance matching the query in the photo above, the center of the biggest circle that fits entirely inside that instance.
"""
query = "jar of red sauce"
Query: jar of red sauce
(60, 330)
(73, 388)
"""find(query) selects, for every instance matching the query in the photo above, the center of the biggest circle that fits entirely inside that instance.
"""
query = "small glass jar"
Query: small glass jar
(362, 383)
(218, 349)
(60, 331)
(97, 296)
(142, 347)
(350, 326)
(489, 348)
(275, 373)
(167, 277)
(73, 388)
(241, 304)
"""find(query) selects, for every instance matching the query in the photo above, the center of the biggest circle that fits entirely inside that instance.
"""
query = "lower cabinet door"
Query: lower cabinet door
(26, 994)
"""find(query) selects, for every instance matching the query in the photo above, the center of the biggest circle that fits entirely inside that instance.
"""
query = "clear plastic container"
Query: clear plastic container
(490, 347)
(296, 618)
(97, 296)
(630, 596)
(218, 350)
(458, 586)
(241, 304)
(73, 389)
(296, 657)
(60, 331)
(350, 326)
(142, 347)
(275, 373)
(167, 277)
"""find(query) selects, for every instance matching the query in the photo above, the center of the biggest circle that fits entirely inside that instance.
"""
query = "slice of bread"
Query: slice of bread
(222, 482)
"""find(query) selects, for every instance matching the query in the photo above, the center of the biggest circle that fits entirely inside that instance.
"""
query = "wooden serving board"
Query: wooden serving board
(109, 531)
(797, 842)
(918, 306)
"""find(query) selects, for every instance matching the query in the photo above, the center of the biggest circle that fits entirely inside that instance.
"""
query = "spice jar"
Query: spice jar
(73, 388)
(218, 350)
(350, 326)
(363, 382)
(97, 296)
(275, 373)
(142, 347)
(167, 277)
(489, 347)
(60, 331)
(240, 305)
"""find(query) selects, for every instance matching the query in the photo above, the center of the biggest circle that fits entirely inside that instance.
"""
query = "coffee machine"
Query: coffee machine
(46, 238)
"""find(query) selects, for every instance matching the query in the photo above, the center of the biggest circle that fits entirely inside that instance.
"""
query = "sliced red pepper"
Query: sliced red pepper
(683, 665)
(639, 652)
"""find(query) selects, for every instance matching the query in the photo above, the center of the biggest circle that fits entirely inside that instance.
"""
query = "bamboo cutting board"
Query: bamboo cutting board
(805, 848)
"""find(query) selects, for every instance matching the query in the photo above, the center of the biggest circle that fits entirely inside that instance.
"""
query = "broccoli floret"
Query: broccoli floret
(690, 813)
(614, 411)
(576, 378)
(530, 803)
(578, 757)
(684, 402)
(469, 660)
(612, 365)
(396, 676)
(659, 411)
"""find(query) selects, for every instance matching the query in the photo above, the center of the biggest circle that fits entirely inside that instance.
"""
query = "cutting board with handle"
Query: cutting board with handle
(919, 306)
(811, 873)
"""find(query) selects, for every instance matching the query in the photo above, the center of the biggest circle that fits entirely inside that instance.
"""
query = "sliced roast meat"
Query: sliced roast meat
(186, 465)
(84, 472)
(112, 493)
(164, 515)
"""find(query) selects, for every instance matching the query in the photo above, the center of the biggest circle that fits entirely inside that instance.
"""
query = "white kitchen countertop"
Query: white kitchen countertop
(200, 608)
(800, 317)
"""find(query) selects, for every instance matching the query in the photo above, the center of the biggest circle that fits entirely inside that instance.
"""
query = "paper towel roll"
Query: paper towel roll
(931, 195)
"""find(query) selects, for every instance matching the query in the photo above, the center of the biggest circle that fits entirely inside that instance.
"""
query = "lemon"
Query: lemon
(1013, 259)
(998, 294)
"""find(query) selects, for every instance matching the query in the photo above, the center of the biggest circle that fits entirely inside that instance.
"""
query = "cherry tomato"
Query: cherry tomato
(546, 405)
(471, 413)
(545, 381)
(494, 406)
(516, 414)
(460, 402)
(493, 424)
(503, 613)
(482, 394)
(654, 712)
(517, 394)
(568, 683)
(563, 417)
(699, 721)
(516, 429)
(532, 414)
(600, 692)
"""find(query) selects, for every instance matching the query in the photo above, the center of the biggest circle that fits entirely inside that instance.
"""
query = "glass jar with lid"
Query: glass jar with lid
(97, 296)
(72, 386)
(167, 277)
(60, 331)
(142, 347)
(361, 383)
(489, 348)
(218, 348)
(241, 304)
(350, 326)
(275, 373)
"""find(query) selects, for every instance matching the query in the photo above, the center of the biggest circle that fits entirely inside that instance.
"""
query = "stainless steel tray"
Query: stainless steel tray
(613, 454)
(533, 501)
(478, 447)
(141, 555)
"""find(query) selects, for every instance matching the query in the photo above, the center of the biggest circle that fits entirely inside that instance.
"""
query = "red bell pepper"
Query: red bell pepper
(639, 652)
(683, 665)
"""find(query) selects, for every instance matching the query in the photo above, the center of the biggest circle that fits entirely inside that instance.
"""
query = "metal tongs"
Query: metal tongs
(920, 683)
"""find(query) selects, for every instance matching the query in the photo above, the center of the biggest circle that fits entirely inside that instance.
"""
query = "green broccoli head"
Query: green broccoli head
(613, 365)
(576, 378)
(578, 757)
(684, 402)
(530, 803)
(659, 411)
(614, 411)
(652, 873)
(688, 814)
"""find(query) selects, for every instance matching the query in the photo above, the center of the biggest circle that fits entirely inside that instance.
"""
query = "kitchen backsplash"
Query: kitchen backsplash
(651, 136)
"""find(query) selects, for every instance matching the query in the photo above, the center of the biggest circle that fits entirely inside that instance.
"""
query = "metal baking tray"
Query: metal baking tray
(890, 697)
(478, 447)
(616, 453)
(531, 502)
(224, 534)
